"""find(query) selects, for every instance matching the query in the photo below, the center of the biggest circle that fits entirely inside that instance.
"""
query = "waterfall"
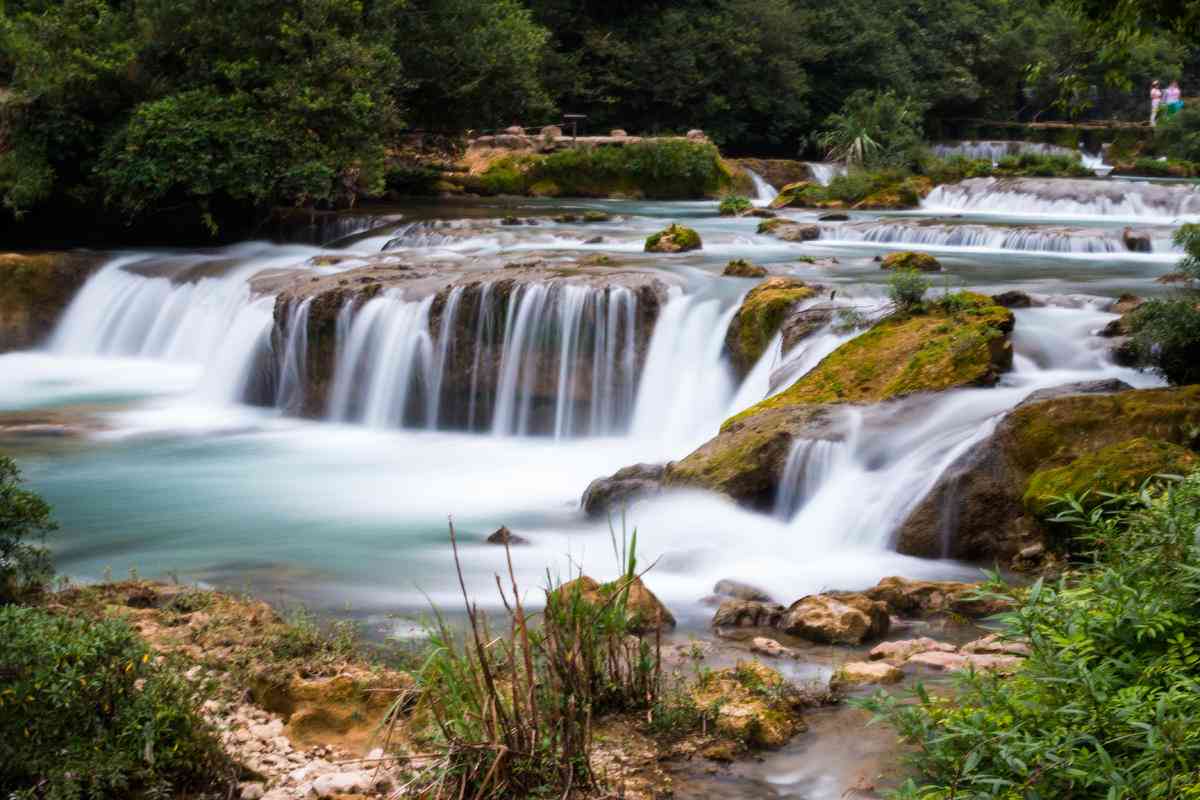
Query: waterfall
(809, 465)
(825, 171)
(1068, 198)
(764, 192)
(1031, 239)
(993, 151)
(289, 396)
(551, 358)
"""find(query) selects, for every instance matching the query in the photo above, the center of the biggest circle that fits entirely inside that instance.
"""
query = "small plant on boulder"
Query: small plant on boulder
(922, 262)
(673, 239)
(735, 205)
(906, 288)
(1166, 333)
(741, 268)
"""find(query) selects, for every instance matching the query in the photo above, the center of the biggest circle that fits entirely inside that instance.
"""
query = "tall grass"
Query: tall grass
(513, 702)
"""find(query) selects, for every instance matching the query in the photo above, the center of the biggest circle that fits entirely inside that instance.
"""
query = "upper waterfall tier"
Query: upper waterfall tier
(1068, 198)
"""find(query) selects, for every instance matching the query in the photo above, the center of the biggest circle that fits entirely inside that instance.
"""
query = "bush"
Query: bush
(874, 129)
(1106, 704)
(85, 712)
(24, 567)
(1178, 135)
(1166, 333)
(734, 204)
(906, 288)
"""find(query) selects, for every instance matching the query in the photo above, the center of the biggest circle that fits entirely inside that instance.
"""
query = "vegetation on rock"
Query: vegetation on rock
(908, 260)
(1166, 332)
(760, 317)
(673, 239)
(734, 205)
(741, 268)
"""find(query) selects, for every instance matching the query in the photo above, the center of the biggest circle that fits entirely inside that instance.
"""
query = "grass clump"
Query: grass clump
(86, 712)
(734, 205)
(1106, 705)
(906, 288)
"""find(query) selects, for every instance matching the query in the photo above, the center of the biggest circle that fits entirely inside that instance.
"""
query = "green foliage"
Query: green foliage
(1166, 335)
(24, 566)
(86, 712)
(1178, 135)
(906, 288)
(1106, 704)
(873, 129)
(734, 205)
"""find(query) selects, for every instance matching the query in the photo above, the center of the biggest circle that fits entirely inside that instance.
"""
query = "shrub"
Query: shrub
(24, 567)
(735, 204)
(1106, 704)
(1178, 135)
(906, 288)
(874, 129)
(1166, 333)
(86, 712)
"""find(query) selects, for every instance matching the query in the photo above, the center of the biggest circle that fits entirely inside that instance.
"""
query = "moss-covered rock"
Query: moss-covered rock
(673, 239)
(734, 205)
(751, 705)
(35, 289)
(644, 610)
(928, 351)
(789, 230)
(741, 268)
(909, 260)
(795, 195)
(760, 316)
(977, 508)
(1116, 468)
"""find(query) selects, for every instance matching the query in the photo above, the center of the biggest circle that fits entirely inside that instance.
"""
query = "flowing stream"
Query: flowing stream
(206, 455)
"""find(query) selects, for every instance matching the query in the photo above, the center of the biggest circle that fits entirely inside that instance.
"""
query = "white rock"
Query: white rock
(268, 730)
(252, 791)
(360, 780)
(770, 647)
(282, 744)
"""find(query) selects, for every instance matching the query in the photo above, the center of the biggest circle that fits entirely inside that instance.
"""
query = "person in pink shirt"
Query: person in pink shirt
(1173, 97)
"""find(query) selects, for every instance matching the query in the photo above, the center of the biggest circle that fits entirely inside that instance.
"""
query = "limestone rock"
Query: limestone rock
(745, 711)
(953, 662)
(747, 614)
(741, 591)
(1013, 299)
(645, 611)
(993, 644)
(858, 673)
(770, 647)
(900, 651)
(836, 619)
(789, 230)
(35, 290)
(908, 260)
(673, 239)
(761, 314)
(920, 598)
(606, 495)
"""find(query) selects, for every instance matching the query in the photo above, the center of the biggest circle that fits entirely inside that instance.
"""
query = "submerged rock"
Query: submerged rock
(35, 290)
(760, 316)
(504, 536)
(617, 491)
(740, 268)
(673, 239)
(909, 260)
(836, 619)
(747, 614)
(789, 230)
(901, 651)
(977, 508)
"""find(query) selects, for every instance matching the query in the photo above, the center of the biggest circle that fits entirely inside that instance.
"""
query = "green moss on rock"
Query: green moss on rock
(1115, 468)
(930, 351)
(673, 239)
(760, 316)
(741, 268)
(909, 260)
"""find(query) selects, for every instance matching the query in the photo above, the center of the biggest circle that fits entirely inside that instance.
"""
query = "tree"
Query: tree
(23, 516)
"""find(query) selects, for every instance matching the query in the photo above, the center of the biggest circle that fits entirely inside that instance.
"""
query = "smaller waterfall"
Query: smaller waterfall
(823, 172)
(995, 150)
(289, 395)
(1031, 239)
(1067, 198)
(809, 465)
(764, 192)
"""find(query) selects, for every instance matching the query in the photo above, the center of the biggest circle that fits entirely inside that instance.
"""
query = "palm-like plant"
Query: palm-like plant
(871, 127)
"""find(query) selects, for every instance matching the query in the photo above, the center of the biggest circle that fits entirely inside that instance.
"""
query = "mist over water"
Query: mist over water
(201, 465)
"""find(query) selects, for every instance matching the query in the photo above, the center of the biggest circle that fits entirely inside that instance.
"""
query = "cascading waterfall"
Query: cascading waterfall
(1035, 239)
(289, 394)
(995, 150)
(764, 192)
(557, 359)
(825, 171)
(809, 465)
(1067, 198)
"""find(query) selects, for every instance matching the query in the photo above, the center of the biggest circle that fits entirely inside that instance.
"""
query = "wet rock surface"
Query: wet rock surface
(35, 290)
(612, 494)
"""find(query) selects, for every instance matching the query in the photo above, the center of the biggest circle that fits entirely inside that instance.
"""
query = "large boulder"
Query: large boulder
(760, 316)
(789, 230)
(939, 349)
(795, 195)
(735, 613)
(618, 490)
(916, 598)
(35, 290)
(751, 704)
(673, 239)
(836, 619)
(978, 509)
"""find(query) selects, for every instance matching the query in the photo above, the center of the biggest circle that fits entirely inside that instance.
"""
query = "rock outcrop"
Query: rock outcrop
(643, 609)
(978, 507)
(35, 290)
(789, 230)
(937, 350)
(762, 313)
(751, 704)
(778, 172)
(836, 618)
(915, 598)
(741, 268)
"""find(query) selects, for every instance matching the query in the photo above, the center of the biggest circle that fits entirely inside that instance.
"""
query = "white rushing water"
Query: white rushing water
(825, 171)
(1065, 198)
(994, 150)
(764, 192)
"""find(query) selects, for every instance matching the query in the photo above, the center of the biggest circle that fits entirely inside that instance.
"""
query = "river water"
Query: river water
(162, 350)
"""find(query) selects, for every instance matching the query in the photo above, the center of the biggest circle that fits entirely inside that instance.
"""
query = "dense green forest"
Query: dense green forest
(144, 109)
